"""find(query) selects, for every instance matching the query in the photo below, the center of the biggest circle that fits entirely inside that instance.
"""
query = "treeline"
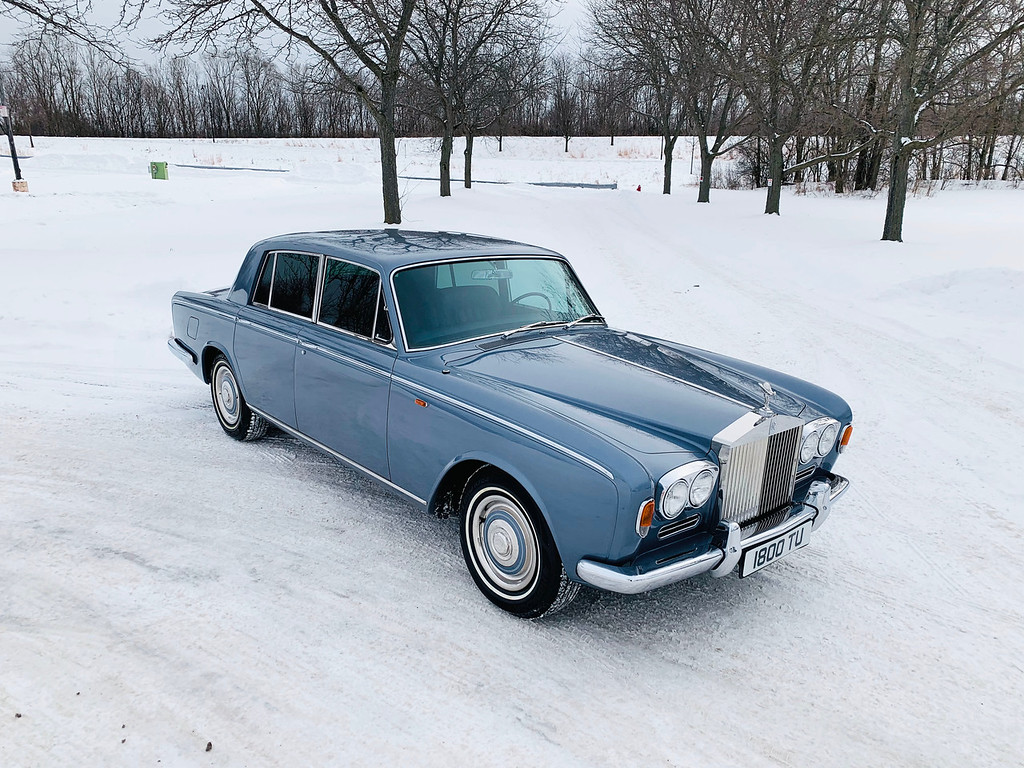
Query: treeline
(60, 87)
(858, 95)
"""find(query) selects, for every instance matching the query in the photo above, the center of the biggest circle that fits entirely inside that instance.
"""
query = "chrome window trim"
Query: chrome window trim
(507, 257)
(345, 358)
(659, 373)
(341, 457)
(507, 424)
(383, 299)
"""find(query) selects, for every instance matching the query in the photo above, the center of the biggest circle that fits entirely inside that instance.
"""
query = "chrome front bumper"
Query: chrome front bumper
(719, 560)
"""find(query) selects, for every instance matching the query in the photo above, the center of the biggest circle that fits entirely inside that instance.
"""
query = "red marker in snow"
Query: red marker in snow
(637, 187)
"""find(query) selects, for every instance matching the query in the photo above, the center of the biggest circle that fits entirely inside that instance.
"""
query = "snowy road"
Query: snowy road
(162, 586)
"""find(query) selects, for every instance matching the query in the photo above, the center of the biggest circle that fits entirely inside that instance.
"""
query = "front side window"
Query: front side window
(294, 283)
(466, 299)
(350, 297)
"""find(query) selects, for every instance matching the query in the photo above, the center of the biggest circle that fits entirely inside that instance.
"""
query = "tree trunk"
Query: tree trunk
(1010, 152)
(704, 190)
(775, 166)
(467, 153)
(613, 138)
(801, 141)
(567, 142)
(446, 161)
(899, 174)
(670, 144)
(388, 154)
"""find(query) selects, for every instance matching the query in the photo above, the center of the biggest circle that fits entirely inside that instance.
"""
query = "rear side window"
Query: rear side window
(262, 293)
(350, 297)
(294, 283)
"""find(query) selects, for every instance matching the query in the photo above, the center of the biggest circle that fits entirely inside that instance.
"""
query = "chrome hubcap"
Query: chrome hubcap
(226, 395)
(504, 543)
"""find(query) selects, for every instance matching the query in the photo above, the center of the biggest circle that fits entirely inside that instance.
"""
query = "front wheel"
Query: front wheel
(234, 415)
(509, 550)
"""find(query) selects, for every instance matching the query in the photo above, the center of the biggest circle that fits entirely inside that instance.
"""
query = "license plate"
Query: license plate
(756, 558)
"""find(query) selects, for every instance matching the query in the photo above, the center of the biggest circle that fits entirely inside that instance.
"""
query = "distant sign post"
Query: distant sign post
(5, 114)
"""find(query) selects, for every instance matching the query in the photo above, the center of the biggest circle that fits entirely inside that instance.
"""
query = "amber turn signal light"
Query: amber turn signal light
(847, 434)
(645, 518)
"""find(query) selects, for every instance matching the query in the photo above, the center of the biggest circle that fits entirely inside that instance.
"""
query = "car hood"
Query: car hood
(646, 395)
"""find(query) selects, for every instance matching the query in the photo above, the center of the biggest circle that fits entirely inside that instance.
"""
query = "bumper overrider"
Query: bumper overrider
(720, 560)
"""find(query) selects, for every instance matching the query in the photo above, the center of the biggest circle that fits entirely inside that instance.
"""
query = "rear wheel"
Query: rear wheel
(509, 550)
(234, 415)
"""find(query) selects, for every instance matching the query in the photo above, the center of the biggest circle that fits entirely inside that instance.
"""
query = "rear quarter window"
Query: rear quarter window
(294, 283)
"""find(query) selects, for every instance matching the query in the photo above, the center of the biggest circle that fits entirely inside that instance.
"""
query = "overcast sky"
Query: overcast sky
(106, 11)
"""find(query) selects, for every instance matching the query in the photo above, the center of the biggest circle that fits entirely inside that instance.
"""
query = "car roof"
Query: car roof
(390, 249)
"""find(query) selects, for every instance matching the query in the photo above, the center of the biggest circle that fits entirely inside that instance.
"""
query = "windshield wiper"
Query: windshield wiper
(533, 326)
(591, 318)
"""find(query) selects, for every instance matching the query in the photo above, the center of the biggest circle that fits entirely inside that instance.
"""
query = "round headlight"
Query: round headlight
(827, 439)
(809, 447)
(700, 488)
(674, 501)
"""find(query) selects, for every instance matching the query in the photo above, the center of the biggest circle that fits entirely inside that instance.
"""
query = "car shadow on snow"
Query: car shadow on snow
(432, 554)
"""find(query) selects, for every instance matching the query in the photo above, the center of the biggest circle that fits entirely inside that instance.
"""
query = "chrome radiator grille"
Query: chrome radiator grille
(759, 473)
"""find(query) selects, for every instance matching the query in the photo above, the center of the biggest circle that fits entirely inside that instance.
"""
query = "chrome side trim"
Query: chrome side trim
(265, 329)
(197, 305)
(656, 372)
(507, 424)
(340, 457)
(345, 358)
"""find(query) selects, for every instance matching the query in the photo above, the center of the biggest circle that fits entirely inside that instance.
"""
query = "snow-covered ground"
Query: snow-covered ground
(162, 586)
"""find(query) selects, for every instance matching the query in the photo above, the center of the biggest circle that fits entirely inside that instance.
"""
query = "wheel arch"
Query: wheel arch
(447, 495)
(210, 352)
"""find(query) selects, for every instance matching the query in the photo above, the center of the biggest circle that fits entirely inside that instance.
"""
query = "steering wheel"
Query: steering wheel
(544, 296)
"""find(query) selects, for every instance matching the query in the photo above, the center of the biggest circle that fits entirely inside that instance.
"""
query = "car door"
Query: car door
(268, 328)
(343, 367)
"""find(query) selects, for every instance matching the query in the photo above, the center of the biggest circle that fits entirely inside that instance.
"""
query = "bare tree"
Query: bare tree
(714, 100)
(778, 57)
(565, 96)
(465, 54)
(636, 37)
(360, 42)
(67, 19)
(954, 58)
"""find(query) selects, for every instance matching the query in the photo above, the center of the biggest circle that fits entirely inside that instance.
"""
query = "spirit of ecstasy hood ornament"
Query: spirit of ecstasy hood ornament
(769, 393)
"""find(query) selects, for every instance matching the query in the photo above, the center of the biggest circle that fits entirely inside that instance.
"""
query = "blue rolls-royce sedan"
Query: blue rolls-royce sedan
(477, 378)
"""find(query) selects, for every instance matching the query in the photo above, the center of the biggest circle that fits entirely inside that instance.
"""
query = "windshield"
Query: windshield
(459, 300)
